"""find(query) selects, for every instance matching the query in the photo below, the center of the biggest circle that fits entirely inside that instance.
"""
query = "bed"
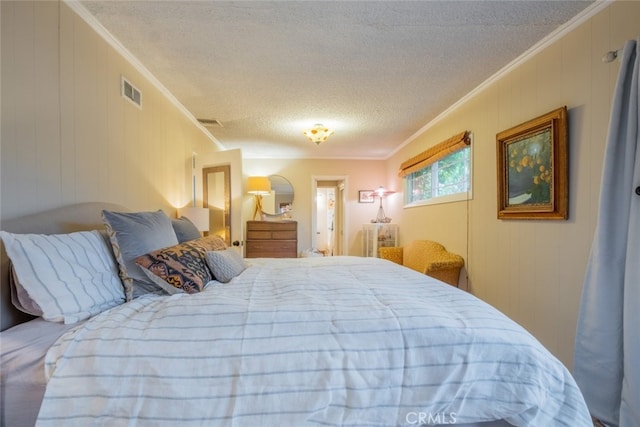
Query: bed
(340, 341)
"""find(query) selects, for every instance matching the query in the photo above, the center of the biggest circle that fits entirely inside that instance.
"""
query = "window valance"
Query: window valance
(435, 153)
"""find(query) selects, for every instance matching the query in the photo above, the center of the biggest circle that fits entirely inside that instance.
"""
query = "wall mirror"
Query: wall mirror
(280, 200)
(216, 184)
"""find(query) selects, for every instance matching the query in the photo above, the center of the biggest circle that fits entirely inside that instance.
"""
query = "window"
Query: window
(448, 176)
(439, 175)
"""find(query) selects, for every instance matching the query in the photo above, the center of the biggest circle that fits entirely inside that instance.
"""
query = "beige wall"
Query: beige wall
(360, 175)
(67, 134)
(531, 270)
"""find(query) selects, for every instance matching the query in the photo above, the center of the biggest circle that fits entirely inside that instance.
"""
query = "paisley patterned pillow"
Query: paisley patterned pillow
(183, 267)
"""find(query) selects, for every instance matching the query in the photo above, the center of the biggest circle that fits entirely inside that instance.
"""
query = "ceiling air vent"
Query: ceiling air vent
(131, 93)
(210, 123)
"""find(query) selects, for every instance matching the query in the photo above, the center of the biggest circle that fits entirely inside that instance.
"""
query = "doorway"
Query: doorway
(328, 224)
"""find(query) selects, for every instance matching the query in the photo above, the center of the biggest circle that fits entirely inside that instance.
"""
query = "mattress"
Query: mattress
(22, 383)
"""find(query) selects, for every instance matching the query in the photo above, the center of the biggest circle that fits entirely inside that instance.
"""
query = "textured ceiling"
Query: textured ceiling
(376, 72)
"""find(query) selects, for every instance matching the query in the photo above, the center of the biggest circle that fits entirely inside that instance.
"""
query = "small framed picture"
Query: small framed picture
(532, 169)
(366, 196)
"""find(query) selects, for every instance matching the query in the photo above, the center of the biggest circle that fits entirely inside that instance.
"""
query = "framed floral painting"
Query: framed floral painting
(533, 168)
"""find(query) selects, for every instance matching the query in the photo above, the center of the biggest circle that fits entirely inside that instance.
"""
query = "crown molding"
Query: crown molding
(588, 13)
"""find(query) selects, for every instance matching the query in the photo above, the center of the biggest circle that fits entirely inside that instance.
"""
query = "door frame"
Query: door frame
(226, 171)
(234, 158)
(341, 214)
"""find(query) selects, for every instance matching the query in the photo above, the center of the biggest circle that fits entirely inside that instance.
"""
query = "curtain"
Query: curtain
(435, 153)
(607, 351)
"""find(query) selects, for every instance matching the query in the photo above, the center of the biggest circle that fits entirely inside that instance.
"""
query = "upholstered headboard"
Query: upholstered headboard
(66, 219)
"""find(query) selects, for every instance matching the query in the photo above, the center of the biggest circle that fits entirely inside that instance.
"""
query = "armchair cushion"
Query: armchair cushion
(427, 257)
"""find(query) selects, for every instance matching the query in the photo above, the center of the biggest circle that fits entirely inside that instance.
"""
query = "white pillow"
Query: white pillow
(225, 264)
(71, 277)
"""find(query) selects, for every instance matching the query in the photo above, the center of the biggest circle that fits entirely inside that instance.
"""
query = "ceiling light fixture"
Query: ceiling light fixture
(318, 133)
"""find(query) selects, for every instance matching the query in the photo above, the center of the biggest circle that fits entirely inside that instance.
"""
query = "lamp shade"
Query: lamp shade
(198, 216)
(382, 192)
(259, 185)
(318, 133)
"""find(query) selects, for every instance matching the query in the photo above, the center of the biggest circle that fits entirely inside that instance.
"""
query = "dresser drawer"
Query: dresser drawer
(284, 235)
(271, 235)
(272, 249)
(272, 226)
(258, 235)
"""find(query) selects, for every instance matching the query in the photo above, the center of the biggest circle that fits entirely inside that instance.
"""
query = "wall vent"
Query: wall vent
(131, 93)
(210, 123)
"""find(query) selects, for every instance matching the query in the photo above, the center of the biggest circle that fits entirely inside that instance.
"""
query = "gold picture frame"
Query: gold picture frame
(533, 168)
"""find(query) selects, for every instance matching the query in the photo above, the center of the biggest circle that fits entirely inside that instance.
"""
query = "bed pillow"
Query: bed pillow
(181, 268)
(225, 265)
(135, 234)
(185, 229)
(70, 277)
(20, 297)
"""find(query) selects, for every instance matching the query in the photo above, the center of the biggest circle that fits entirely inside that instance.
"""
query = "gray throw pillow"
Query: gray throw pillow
(135, 234)
(185, 229)
(225, 265)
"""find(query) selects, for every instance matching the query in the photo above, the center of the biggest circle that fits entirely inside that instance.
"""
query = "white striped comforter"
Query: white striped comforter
(335, 341)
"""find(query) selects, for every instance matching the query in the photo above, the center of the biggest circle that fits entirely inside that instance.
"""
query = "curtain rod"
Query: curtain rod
(611, 55)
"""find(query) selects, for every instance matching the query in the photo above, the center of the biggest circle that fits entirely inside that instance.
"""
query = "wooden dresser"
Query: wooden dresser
(272, 239)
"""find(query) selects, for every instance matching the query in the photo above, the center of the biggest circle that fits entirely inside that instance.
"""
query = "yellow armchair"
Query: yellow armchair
(426, 257)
